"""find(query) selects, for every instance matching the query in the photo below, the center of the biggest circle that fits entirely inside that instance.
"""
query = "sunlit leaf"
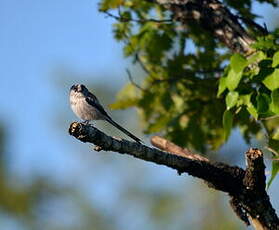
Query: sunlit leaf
(124, 103)
(238, 63)
(258, 56)
(126, 97)
(110, 4)
(275, 136)
(233, 79)
(252, 111)
(222, 86)
(231, 99)
(272, 81)
(275, 60)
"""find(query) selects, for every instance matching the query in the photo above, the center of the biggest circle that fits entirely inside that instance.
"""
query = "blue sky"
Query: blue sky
(38, 37)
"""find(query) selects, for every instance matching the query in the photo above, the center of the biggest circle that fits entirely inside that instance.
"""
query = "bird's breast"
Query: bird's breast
(84, 110)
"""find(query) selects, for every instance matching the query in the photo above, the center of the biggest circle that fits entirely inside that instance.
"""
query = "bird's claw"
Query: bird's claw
(85, 122)
(98, 148)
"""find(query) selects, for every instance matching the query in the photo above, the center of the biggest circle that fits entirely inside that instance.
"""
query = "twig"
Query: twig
(269, 118)
(132, 81)
(123, 19)
(143, 66)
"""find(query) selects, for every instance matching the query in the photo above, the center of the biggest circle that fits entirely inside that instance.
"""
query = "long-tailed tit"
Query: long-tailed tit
(87, 107)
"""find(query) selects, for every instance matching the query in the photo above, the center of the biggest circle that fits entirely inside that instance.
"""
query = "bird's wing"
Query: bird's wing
(93, 101)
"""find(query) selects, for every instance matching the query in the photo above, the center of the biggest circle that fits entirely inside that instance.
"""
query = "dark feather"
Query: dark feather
(92, 100)
(124, 130)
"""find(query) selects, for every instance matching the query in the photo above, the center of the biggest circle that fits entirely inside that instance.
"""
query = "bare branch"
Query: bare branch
(214, 17)
(170, 147)
(262, 29)
(239, 211)
(245, 187)
(208, 171)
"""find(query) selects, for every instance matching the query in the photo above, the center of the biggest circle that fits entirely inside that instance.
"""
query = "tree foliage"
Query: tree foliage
(196, 90)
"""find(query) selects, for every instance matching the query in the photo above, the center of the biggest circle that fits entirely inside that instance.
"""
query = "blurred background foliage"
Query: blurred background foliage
(49, 181)
(195, 90)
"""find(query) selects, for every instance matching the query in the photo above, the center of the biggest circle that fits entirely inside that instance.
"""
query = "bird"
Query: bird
(88, 108)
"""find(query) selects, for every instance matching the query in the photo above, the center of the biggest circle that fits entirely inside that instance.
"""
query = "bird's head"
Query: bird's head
(79, 88)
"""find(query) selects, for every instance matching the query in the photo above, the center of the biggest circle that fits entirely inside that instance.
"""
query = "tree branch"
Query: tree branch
(245, 187)
(213, 17)
(170, 147)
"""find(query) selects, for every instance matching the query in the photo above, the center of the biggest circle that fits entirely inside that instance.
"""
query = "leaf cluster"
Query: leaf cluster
(251, 84)
(194, 91)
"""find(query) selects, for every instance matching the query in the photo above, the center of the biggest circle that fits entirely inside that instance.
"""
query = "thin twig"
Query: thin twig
(133, 82)
(123, 19)
(142, 65)
(268, 118)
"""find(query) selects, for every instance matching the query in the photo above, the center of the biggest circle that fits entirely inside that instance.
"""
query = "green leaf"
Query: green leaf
(125, 98)
(149, 103)
(273, 144)
(251, 109)
(275, 101)
(159, 124)
(120, 30)
(110, 4)
(222, 86)
(149, 39)
(166, 100)
(231, 99)
(238, 63)
(233, 80)
(275, 60)
(227, 123)
(272, 81)
(274, 171)
(257, 57)
(263, 102)
(245, 99)
(275, 136)
(124, 104)
(265, 43)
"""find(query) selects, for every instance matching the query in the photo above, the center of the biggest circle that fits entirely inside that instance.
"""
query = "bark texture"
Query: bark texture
(213, 17)
(246, 188)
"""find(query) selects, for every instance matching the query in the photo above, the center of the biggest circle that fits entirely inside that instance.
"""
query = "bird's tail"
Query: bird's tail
(124, 130)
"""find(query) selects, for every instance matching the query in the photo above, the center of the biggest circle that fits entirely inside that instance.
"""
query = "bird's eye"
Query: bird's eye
(74, 88)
